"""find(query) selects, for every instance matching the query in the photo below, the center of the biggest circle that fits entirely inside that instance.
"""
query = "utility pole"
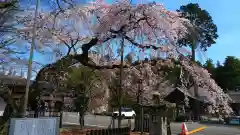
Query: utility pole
(141, 105)
(29, 73)
(120, 89)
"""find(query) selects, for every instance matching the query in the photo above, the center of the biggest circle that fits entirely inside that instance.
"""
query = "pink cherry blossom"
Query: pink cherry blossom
(145, 26)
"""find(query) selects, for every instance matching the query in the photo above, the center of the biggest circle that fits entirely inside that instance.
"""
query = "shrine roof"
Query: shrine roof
(204, 96)
(13, 80)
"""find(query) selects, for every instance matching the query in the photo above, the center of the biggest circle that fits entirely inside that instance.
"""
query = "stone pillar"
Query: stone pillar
(163, 123)
(158, 121)
(158, 125)
(51, 107)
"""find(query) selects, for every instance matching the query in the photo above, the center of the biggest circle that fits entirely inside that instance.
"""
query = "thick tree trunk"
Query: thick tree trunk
(120, 89)
(8, 111)
(11, 111)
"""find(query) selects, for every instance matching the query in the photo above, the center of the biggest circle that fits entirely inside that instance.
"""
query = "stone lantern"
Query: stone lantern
(160, 114)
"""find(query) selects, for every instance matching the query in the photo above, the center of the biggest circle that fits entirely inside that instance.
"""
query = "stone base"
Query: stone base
(158, 126)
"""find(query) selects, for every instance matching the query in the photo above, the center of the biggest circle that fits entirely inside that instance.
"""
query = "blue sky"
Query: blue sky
(225, 16)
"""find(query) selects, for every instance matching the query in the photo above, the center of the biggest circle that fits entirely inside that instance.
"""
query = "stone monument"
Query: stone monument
(34, 126)
(160, 116)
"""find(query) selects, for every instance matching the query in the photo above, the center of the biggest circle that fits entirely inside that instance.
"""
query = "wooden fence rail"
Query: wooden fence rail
(109, 131)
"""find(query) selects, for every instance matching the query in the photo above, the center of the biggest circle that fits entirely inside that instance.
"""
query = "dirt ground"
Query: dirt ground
(75, 131)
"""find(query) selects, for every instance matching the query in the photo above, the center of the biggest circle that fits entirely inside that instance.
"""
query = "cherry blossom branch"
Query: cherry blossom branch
(122, 20)
(149, 46)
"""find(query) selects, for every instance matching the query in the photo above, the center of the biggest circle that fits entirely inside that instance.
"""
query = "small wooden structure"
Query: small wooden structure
(178, 96)
(53, 101)
(235, 104)
(16, 88)
(16, 84)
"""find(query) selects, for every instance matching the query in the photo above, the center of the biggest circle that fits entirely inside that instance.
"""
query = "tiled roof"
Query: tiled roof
(12, 80)
(204, 96)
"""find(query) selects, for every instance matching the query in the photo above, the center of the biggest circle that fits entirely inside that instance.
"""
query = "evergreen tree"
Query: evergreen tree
(210, 67)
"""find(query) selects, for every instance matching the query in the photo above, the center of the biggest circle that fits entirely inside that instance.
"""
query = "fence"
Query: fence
(72, 118)
(138, 125)
(110, 131)
(32, 114)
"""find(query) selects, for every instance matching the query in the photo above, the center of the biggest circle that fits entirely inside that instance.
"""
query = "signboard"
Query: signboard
(34, 126)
